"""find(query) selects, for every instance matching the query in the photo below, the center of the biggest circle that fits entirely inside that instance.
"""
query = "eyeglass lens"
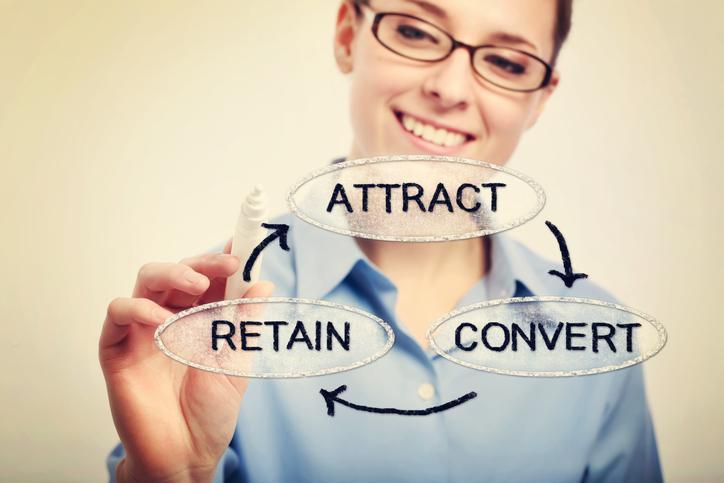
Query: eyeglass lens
(416, 39)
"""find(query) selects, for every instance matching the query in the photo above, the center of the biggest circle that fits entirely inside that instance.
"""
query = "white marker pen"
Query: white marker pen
(248, 234)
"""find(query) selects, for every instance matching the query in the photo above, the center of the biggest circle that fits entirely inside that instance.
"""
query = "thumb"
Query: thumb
(227, 247)
(262, 288)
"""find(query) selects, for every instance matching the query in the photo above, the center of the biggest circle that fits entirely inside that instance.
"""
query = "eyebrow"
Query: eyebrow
(503, 37)
(430, 8)
(509, 38)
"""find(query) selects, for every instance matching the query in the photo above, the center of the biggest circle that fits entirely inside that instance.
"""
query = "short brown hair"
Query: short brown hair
(564, 12)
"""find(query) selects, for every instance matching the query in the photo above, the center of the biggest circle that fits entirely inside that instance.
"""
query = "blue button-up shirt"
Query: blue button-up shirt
(518, 429)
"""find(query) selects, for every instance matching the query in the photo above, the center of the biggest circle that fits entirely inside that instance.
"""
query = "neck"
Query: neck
(437, 263)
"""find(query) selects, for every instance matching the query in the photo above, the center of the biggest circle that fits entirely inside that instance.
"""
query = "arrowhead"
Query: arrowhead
(280, 231)
(331, 396)
(568, 278)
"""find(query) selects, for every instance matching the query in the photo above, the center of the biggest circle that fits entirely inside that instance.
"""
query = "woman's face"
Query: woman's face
(389, 91)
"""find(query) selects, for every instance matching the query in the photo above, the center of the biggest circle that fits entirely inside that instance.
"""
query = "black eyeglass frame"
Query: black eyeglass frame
(455, 45)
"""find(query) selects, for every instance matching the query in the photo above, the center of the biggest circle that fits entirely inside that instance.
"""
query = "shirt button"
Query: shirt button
(426, 391)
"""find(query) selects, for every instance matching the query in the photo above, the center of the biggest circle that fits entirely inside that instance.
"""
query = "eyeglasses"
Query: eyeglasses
(418, 39)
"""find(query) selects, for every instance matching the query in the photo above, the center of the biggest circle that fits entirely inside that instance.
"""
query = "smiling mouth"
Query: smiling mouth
(435, 134)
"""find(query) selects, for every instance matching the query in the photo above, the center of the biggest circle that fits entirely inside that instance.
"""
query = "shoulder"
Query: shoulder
(531, 268)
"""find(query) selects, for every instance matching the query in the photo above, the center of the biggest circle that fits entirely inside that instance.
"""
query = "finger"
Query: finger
(263, 288)
(155, 280)
(213, 265)
(217, 291)
(227, 247)
(255, 310)
(123, 312)
(217, 268)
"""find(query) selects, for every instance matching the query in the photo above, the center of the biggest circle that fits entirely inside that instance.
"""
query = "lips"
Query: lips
(431, 135)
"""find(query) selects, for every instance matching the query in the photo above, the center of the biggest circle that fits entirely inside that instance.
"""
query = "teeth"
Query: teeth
(439, 136)
(451, 139)
(417, 127)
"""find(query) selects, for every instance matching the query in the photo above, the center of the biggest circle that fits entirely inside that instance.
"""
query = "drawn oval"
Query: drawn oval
(221, 336)
(517, 336)
(403, 199)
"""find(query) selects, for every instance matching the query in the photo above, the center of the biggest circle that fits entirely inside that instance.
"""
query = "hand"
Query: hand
(175, 421)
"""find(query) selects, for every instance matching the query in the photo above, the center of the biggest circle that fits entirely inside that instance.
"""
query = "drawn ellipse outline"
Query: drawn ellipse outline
(532, 213)
(660, 329)
(390, 336)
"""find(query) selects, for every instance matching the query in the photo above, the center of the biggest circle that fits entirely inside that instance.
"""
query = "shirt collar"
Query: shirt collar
(499, 282)
(522, 264)
(335, 256)
(324, 259)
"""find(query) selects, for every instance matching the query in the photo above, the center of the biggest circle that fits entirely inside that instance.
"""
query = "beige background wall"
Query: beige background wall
(130, 129)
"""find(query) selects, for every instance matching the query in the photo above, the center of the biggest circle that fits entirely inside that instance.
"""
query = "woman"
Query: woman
(414, 90)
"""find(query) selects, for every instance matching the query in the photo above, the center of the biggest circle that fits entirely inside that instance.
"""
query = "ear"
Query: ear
(545, 94)
(344, 34)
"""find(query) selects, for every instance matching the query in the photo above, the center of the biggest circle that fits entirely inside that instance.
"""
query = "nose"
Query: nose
(450, 82)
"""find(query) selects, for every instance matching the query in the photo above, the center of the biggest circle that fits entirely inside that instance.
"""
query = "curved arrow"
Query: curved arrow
(330, 397)
(280, 231)
(569, 277)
